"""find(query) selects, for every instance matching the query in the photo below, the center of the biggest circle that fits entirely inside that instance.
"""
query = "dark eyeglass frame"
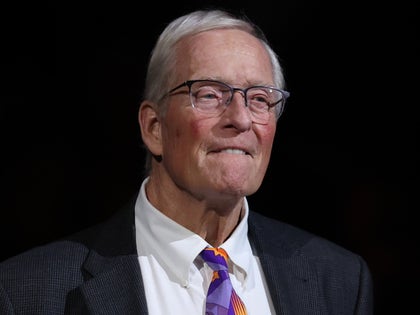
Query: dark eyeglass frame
(189, 83)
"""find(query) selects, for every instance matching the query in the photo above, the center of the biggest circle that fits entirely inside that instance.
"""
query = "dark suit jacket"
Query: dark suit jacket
(97, 272)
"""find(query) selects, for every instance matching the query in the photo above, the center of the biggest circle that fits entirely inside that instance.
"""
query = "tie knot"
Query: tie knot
(216, 258)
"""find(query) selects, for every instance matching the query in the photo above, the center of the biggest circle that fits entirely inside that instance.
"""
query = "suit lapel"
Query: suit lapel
(112, 278)
(291, 278)
(292, 285)
(115, 286)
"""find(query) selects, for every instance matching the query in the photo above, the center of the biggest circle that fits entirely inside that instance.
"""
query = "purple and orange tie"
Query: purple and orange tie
(221, 297)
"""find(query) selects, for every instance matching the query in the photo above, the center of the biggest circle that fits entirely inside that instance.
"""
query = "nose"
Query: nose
(237, 111)
(241, 92)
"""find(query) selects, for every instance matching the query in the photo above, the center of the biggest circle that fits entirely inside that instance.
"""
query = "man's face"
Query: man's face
(227, 155)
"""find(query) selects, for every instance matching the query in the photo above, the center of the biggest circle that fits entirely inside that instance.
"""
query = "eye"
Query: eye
(208, 93)
(259, 98)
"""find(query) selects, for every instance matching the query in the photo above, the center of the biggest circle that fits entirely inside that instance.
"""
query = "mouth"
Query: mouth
(234, 151)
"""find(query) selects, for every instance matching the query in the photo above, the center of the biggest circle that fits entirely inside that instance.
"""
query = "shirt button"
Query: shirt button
(186, 284)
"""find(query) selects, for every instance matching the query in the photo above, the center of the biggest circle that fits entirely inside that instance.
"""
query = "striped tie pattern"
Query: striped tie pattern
(221, 297)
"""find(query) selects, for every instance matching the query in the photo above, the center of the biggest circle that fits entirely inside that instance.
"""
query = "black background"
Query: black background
(344, 164)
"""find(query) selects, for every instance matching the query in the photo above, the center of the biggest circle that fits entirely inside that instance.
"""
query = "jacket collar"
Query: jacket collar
(115, 287)
(112, 278)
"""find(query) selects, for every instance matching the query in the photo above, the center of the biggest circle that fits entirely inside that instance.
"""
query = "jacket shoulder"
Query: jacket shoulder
(40, 278)
(288, 239)
(43, 262)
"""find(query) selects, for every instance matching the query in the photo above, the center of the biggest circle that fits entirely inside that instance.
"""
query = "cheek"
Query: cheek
(266, 136)
(198, 128)
(179, 135)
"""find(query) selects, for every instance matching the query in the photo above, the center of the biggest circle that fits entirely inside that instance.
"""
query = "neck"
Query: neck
(213, 220)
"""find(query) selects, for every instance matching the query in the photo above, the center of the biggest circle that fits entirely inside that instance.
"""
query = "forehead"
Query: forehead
(228, 54)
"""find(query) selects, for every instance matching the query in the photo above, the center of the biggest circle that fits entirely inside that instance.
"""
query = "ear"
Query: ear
(150, 127)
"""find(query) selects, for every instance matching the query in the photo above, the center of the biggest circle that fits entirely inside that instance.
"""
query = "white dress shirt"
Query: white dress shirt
(176, 280)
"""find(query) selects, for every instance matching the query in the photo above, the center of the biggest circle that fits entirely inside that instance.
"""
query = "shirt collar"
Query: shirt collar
(175, 247)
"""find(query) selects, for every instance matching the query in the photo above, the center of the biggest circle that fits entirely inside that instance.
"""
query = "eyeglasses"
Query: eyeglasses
(212, 97)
